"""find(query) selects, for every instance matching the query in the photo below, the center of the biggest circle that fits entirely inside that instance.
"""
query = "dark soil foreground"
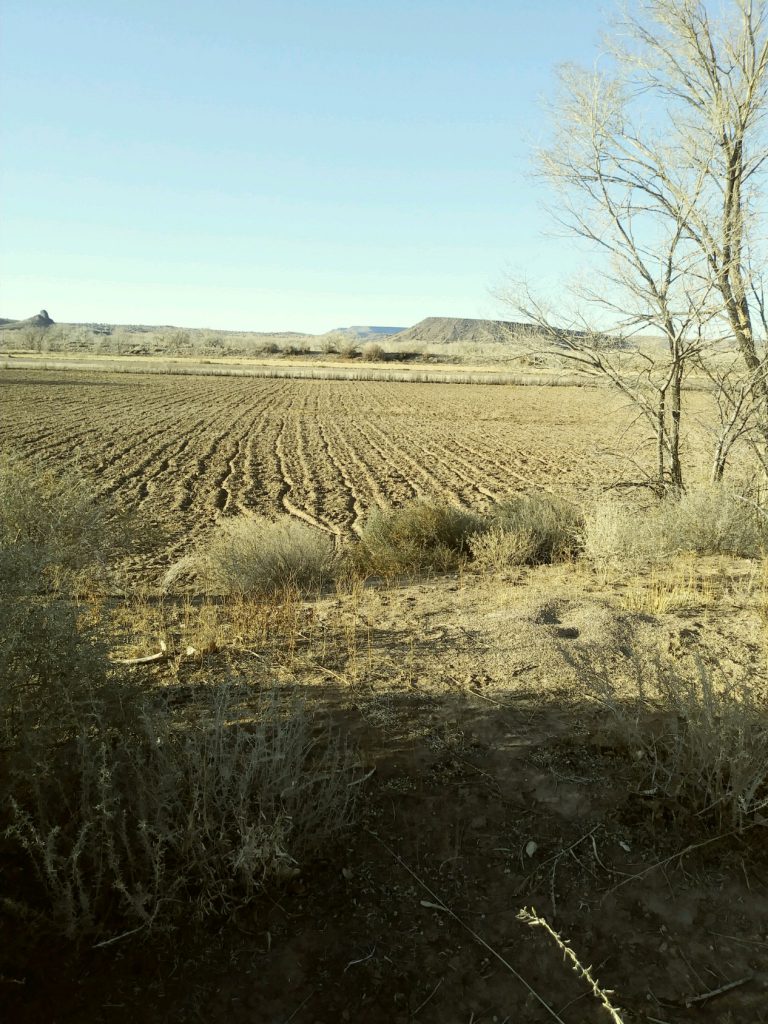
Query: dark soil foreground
(479, 806)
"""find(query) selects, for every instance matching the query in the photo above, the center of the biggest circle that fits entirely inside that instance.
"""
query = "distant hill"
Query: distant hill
(442, 329)
(367, 333)
(40, 319)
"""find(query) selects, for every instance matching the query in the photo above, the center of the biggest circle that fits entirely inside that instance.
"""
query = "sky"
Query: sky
(277, 164)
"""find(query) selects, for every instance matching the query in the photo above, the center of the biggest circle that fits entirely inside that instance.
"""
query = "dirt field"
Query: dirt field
(497, 781)
(189, 449)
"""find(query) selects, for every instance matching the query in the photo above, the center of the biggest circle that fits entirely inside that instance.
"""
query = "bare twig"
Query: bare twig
(362, 960)
(467, 928)
(704, 996)
(147, 660)
(431, 994)
(299, 1007)
(117, 938)
(533, 919)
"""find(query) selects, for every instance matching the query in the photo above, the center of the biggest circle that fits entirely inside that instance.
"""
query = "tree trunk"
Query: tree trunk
(661, 442)
(675, 466)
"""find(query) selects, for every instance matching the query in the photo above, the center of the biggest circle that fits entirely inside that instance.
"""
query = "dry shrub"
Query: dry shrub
(531, 529)
(425, 534)
(54, 538)
(614, 534)
(252, 555)
(704, 521)
(347, 347)
(372, 352)
(147, 821)
(50, 524)
(717, 521)
(698, 739)
(497, 549)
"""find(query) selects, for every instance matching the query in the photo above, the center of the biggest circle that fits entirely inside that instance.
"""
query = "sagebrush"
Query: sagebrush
(711, 520)
(425, 534)
(157, 820)
(252, 556)
(530, 529)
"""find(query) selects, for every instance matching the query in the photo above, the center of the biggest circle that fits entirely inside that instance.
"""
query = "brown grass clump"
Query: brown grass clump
(425, 534)
(252, 555)
(147, 820)
(704, 521)
(531, 529)
(698, 740)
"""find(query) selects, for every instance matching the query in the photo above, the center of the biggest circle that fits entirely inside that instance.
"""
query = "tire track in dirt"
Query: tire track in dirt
(289, 485)
(324, 493)
(352, 504)
(256, 481)
(439, 480)
(392, 458)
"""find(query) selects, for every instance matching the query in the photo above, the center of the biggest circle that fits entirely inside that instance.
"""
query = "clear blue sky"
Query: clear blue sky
(276, 164)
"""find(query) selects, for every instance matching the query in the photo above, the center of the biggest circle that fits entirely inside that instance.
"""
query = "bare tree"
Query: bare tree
(652, 277)
(739, 407)
(707, 75)
(658, 164)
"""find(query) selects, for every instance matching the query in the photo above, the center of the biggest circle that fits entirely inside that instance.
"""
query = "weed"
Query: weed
(425, 534)
(531, 529)
(698, 740)
(253, 555)
(156, 821)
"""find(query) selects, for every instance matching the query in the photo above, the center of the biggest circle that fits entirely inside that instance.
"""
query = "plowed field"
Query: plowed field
(191, 449)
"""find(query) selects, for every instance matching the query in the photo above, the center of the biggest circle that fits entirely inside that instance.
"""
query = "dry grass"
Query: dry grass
(662, 595)
(425, 534)
(158, 820)
(253, 555)
(698, 740)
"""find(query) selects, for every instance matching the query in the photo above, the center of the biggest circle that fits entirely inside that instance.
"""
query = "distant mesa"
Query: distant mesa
(441, 329)
(40, 319)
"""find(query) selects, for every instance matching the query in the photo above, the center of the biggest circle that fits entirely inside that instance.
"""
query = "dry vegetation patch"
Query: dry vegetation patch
(573, 725)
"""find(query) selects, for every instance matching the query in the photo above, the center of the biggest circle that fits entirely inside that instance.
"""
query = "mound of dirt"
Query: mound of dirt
(40, 319)
(441, 329)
